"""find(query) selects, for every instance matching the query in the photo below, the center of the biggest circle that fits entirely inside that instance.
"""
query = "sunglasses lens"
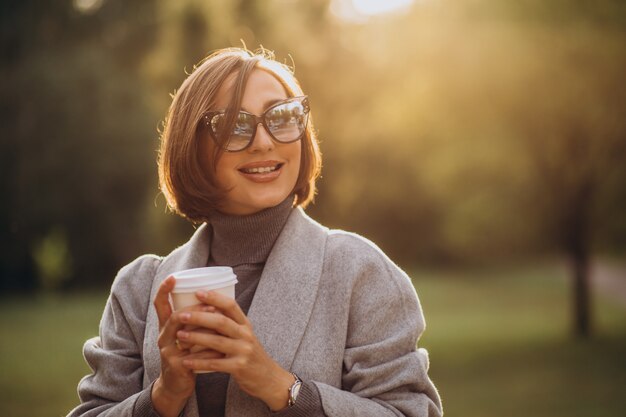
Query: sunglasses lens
(241, 133)
(287, 122)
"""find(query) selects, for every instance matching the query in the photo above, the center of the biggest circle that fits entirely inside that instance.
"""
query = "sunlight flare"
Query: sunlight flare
(361, 10)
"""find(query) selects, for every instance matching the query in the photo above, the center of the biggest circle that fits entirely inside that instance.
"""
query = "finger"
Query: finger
(183, 346)
(201, 357)
(180, 345)
(198, 307)
(197, 348)
(227, 365)
(162, 301)
(220, 323)
(204, 354)
(174, 323)
(188, 346)
(173, 352)
(227, 305)
(216, 342)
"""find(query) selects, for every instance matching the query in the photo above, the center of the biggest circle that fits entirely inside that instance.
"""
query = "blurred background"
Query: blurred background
(480, 143)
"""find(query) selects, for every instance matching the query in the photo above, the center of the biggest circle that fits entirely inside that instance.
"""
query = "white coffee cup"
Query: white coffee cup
(220, 279)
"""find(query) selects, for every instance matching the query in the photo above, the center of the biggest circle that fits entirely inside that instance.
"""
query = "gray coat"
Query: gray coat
(330, 306)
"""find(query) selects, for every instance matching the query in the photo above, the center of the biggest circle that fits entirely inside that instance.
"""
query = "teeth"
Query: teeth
(260, 170)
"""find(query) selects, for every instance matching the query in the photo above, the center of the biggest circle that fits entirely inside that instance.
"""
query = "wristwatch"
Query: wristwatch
(294, 390)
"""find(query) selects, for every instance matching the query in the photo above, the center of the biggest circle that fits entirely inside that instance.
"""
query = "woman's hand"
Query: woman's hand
(176, 382)
(244, 358)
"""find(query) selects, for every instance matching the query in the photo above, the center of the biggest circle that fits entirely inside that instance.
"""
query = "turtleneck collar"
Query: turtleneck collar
(238, 240)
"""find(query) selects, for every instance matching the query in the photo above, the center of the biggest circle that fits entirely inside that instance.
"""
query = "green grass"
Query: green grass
(499, 343)
(41, 351)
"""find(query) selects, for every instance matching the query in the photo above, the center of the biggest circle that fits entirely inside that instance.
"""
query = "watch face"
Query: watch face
(296, 390)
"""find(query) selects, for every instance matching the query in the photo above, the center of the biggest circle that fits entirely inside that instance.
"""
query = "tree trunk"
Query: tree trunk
(581, 296)
(576, 232)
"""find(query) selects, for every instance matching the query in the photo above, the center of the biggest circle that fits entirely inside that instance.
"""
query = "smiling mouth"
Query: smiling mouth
(261, 170)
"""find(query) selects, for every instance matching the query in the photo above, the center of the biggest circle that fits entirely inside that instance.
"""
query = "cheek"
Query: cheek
(297, 156)
(225, 170)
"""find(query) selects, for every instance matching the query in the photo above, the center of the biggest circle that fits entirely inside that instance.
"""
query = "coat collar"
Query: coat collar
(281, 307)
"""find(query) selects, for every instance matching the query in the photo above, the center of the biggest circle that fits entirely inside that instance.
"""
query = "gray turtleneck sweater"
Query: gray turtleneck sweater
(244, 243)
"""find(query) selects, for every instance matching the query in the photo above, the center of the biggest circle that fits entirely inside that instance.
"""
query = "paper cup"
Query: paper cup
(221, 279)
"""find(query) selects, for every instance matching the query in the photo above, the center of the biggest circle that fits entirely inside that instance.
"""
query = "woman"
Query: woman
(324, 324)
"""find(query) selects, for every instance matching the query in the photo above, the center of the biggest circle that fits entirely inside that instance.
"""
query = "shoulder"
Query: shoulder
(348, 244)
(354, 261)
(379, 290)
(348, 250)
(134, 281)
(356, 251)
(365, 264)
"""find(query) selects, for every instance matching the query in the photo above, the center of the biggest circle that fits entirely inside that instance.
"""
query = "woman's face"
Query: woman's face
(248, 191)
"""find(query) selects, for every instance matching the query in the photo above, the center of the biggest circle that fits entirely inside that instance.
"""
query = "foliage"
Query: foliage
(54, 262)
(457, 132)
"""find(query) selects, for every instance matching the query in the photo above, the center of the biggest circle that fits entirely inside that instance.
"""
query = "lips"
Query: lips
(261, 167)
(261, 171)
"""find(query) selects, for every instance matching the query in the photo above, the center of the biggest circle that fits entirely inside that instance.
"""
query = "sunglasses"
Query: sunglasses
(285, 121)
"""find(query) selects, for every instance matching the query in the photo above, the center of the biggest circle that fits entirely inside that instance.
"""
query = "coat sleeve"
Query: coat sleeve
(115, 387)
(384, 373)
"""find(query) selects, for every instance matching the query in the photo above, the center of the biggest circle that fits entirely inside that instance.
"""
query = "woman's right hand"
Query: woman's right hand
(176, 383)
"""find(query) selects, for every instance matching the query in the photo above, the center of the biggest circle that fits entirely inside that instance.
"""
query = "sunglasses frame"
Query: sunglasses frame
(304, 100)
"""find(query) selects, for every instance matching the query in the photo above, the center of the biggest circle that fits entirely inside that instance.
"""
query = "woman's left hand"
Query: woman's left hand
(245, 359)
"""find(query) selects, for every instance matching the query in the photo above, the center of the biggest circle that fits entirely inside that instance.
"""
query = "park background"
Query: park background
(480, 143)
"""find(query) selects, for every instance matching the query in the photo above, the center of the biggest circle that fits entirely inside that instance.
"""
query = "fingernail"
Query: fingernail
(187, 362)
(182, 334)
(185, 317)
(208, 309)
(202, 294)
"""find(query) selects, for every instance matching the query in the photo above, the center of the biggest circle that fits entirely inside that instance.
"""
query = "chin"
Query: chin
(256, 204)
(269, 201)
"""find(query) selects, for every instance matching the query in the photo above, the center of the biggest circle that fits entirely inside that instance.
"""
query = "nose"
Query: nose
(262, 140)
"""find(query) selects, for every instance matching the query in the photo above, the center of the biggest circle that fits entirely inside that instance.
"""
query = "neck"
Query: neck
(247, 239)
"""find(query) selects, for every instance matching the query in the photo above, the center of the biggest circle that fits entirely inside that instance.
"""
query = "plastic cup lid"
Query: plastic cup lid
(208, 278)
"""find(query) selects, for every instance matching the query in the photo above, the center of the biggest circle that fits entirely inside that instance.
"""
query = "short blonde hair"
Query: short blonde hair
(186, 178)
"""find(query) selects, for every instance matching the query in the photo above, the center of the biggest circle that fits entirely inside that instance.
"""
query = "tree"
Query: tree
(76, 134)
(576, 138)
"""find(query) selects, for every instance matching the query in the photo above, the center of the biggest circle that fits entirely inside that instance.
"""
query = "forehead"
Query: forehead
(261, 90)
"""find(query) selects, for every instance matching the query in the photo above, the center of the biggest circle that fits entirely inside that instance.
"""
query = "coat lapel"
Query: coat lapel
(279, 312)
(284, 300)
(193, 254)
